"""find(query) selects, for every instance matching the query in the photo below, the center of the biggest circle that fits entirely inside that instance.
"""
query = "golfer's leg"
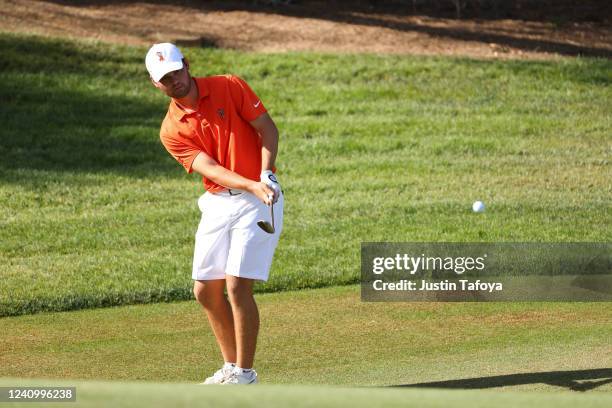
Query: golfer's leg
(210, 295)
(246, 318)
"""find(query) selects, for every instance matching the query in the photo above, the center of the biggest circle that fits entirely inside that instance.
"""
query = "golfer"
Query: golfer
(217, 127)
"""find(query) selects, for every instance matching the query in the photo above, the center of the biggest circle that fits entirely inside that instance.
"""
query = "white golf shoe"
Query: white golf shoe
(237, 377)
(219, 376)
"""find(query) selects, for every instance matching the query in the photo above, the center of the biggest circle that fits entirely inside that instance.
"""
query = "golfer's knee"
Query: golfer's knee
(237, 291)
(208, 299)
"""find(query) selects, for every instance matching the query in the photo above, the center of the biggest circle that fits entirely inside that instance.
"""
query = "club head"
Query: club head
(266, 226)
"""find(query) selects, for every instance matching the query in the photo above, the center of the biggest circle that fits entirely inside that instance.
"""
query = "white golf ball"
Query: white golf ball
(478, 206)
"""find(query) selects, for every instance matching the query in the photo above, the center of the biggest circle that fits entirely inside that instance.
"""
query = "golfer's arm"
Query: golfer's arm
(207, 167)
(264, 125)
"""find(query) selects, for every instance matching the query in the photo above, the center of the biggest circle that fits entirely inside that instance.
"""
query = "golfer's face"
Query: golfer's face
(176, 84)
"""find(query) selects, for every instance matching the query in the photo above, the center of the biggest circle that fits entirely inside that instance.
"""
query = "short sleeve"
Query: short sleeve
(248, 104)
(182, 149)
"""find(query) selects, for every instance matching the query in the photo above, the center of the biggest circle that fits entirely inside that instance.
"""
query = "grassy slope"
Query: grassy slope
(94, 213)
(328, 335)
(104, 394)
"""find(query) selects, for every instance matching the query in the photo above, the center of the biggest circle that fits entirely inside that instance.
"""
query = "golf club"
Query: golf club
(265, 225)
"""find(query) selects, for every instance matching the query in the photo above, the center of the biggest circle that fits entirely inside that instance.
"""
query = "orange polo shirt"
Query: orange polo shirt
(220, 128)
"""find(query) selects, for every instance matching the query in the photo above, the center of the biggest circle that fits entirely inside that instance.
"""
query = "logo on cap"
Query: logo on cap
(163, 58)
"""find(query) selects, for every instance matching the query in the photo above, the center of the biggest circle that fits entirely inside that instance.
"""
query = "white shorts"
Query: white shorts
(229, 241)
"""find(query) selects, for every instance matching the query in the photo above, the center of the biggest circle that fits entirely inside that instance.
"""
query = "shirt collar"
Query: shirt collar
(178, 112)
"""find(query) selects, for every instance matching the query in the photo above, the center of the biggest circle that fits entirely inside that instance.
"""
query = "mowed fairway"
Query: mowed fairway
(330, 338)
(139, 395)
(94, 212)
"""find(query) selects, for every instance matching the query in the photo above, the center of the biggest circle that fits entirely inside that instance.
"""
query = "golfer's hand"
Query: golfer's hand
(269, 178)
(262, 191)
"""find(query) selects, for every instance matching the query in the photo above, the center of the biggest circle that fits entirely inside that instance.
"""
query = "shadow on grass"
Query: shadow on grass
(581, 380)
(77, 108)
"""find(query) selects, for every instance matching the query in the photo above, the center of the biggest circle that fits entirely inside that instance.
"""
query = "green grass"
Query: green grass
(104, 394)
(329, 337)
(93, 211)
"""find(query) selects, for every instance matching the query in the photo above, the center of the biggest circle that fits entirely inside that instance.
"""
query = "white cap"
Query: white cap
(163, 58)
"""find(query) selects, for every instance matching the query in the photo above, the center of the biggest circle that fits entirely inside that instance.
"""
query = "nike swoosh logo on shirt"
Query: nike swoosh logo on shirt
(257, 104)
